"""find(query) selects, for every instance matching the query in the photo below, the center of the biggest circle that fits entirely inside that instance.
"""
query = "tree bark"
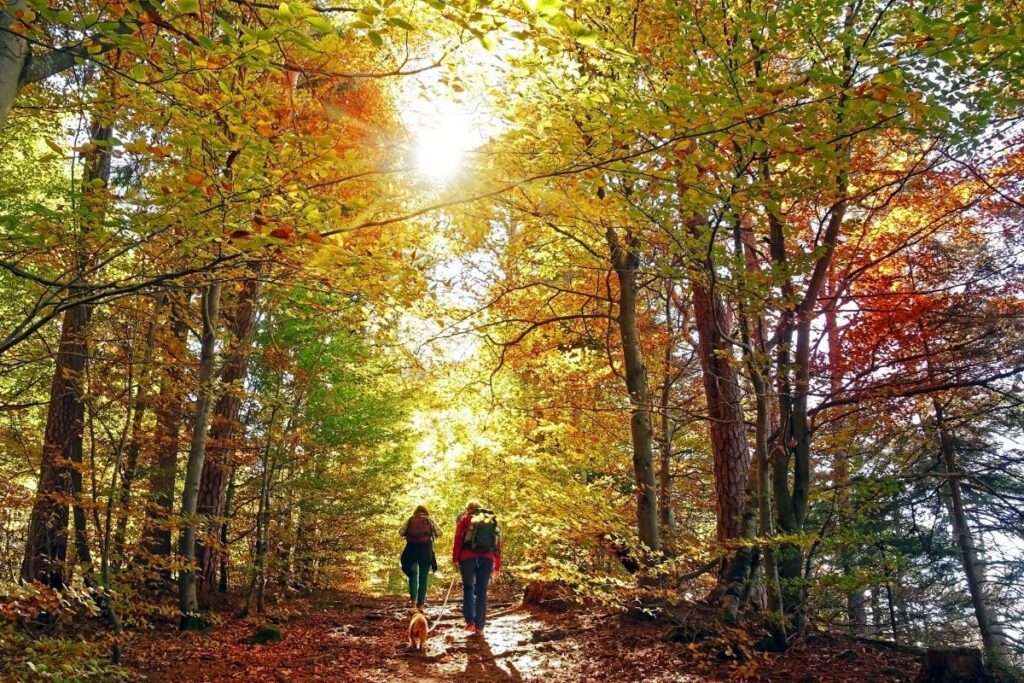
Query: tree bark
(188, 601)
(626, 262)
(729, 446)
(60, 475)
(222, 586)
(46, 547)
(224, 432)
(168, 413)
(14, 52)
(996, 647)
(135, 444)
(257, 585)
(792, 445)
(667, 427)
(19, 67)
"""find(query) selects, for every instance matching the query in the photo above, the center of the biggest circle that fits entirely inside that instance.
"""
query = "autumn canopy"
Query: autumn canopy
(716, 303)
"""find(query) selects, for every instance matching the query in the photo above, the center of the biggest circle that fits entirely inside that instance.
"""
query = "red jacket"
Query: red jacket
(460, 553)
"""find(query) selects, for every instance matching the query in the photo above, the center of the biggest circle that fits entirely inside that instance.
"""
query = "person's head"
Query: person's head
(472, 507)
(421, 510)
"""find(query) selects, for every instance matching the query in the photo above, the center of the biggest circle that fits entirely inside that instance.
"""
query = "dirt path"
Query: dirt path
(354, 638)
(357, 638)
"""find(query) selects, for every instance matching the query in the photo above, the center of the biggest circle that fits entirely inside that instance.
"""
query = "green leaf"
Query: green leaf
(283, 11)
(320, 24)
(548, 7)
(401, 23)
(375, 38)
(588, 37)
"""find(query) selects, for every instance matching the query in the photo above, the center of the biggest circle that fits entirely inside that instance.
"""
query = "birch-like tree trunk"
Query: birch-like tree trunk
(626, 262)
(188, 602)
(224, 431)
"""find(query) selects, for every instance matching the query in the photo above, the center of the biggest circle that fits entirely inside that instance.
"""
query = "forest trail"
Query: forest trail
(362, 639)
(345, 637)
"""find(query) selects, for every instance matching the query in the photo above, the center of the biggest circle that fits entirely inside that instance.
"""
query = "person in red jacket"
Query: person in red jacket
(477, 554)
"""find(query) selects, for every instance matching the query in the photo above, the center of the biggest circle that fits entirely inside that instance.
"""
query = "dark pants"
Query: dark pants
(476, 575)
(419, 575)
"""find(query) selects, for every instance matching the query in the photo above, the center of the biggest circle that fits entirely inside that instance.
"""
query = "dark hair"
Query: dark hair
(421, 509)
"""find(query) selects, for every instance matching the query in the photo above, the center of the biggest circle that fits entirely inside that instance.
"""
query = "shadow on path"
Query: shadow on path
(482, 663)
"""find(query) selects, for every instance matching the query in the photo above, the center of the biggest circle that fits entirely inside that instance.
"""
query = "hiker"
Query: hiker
(476, 553)
(418, 557)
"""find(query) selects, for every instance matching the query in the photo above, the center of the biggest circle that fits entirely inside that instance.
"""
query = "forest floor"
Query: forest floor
(359, 638)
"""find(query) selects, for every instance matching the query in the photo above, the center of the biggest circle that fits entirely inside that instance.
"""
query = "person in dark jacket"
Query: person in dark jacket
(418, 557)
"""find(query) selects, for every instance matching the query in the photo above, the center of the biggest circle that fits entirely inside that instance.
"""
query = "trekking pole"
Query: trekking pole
(443, 605)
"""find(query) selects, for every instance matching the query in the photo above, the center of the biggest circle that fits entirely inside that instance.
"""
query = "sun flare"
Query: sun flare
(444, 128)
(444, 132)
(441, 148)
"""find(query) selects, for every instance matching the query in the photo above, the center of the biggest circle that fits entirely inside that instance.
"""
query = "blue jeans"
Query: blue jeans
(476, 575)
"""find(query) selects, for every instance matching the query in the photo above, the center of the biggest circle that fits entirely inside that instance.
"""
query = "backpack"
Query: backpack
(419, 529)
(483, 534)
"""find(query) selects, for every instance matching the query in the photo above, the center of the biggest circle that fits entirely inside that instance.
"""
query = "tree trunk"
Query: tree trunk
(744, 561)
(135, 444)
(60, 475)
(222, 586)
(856, 607)
(285, 549)
(665, 472)
(258, 583)
(224, 431)
(792, 446)
(760, 486)
(951, 665)
(46, 547)
(14, 52)
(188, 602)
(725, 414)
(19, 67)
(168, 412)
(991, 636)
(893, 622)
(626, 262)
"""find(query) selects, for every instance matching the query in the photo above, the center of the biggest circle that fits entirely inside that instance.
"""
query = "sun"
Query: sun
(445, 128)
(444, 133)
(443, 141)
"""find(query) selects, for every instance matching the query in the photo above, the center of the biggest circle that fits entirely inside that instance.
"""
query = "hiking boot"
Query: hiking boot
(470, 629)
(420, 606)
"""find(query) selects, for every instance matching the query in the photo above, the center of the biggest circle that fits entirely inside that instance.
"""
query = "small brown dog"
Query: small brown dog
(418, 631)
